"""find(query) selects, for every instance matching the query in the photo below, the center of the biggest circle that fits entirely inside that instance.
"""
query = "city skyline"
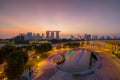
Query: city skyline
(70, 17)
(50, 35)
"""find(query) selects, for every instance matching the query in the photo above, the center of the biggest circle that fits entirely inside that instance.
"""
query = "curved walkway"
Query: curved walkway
(110, 67)
(109, 70)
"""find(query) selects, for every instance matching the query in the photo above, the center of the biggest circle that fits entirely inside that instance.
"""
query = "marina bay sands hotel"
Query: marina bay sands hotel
(52, 34)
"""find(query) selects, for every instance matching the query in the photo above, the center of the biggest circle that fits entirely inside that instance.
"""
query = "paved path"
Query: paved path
(110, 68)
(46, 69)
(60, 75)
(27, 75)
(76, 61)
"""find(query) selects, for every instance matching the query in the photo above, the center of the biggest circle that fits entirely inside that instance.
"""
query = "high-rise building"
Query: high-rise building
(102, 37)
(22, 34)
(47, 34)
(52, 35)
(29, 36)
(57, 34)
(36, 36)
(108, 37)
(87, 37)
(94, 37)
(42, 36)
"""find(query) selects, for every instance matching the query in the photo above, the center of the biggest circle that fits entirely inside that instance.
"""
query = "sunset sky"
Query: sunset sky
(68, 16)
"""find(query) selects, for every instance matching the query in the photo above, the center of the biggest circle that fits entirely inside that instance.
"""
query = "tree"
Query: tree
(44, 47)
(16, 64)
(5, 52)
(20, 40)
(72, 45)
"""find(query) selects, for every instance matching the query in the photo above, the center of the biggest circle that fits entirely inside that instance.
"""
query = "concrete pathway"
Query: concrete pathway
(60, 75)
(76, 61)
(46, 69)
(27, 75)
(110, 68)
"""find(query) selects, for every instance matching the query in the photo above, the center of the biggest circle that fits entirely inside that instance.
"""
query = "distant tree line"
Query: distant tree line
(55, 41)
(43, 47)
(72, 45)
(20, 40)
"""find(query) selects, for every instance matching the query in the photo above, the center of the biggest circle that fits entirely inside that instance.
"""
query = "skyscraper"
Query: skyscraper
(29, 36)
(52, 35)
(42, 36)
(57, 34)
(87, 37)
(36, 36)
(94, 37)
(47, 35)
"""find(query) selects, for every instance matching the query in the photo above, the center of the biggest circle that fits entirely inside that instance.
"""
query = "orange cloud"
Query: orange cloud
(21, 27)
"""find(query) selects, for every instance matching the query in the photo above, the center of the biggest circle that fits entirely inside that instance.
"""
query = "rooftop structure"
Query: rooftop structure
(52, 34)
